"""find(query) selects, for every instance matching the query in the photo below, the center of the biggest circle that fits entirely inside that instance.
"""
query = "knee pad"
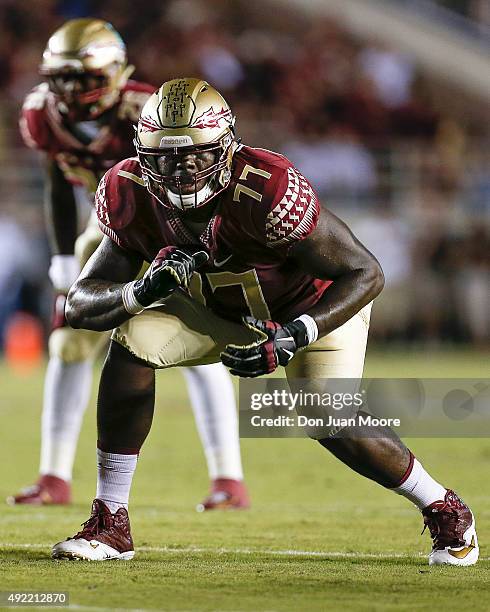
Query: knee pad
(72, 345)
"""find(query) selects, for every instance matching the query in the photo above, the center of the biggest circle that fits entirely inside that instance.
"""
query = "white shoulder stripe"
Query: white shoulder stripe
(131, 177)
(109, 232)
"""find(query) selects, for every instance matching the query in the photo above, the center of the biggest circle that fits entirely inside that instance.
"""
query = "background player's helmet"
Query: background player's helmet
(85, 64)
(185, 117)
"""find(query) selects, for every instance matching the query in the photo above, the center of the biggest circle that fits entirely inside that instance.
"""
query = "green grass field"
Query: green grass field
(318, 536)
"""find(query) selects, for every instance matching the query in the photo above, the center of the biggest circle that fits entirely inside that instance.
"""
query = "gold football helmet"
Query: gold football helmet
(185, 142)
(85, 63)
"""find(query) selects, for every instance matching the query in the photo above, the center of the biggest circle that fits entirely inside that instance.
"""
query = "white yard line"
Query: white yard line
(238, 551)
(266, 551)
(249, 551)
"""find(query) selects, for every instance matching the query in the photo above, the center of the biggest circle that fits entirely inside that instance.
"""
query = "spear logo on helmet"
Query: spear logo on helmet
(148, 124)
(210, 119)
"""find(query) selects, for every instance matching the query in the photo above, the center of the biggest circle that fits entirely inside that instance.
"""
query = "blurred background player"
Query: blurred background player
(82, 118)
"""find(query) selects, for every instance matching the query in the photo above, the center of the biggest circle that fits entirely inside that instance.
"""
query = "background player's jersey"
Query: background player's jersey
(84, 150)
(267, 207)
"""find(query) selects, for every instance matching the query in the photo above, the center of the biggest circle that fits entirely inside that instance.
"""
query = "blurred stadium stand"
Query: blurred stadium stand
(396, 144)
(442, 42)
(469, 17)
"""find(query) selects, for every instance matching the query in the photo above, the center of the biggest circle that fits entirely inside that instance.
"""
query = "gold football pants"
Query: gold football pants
(184, 332)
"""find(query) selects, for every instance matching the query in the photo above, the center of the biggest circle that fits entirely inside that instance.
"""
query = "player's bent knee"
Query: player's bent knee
(327, 376)
(73, 345)
(326, 425)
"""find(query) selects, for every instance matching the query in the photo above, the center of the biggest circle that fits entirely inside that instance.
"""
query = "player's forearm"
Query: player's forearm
(345, 297)
(96, 304)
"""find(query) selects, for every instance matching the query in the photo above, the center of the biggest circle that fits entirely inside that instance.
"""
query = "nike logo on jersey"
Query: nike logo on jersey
(464, 552)
(218, 264)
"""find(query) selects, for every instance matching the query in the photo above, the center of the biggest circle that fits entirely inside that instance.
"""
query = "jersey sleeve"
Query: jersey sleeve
(34, 128)
(294, 211)
(115, 207)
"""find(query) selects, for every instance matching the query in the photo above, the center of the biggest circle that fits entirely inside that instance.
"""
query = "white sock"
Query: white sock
(213, 402)
(67, 389)
(114, 476)
(420, 488)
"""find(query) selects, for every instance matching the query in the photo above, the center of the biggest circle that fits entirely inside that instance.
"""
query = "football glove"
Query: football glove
(171, 268)
(276, 345)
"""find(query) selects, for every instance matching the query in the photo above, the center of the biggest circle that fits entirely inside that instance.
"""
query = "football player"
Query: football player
(230, 231)
(82, 117)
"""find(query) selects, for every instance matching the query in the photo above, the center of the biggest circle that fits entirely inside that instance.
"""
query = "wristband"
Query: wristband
(130, 303)
(311, 327)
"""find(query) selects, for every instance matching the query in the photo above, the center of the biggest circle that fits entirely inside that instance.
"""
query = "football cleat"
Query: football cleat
(226, 494)
(104, 536)
(48, 491)
(452, 528)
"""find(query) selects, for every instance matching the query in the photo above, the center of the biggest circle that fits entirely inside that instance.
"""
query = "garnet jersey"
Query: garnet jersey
(86, 150)
(266, 208)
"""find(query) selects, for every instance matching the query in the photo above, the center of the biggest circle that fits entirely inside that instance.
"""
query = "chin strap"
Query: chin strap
(192, 200)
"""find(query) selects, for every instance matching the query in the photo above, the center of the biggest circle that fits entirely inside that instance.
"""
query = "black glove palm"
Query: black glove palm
(171, 268)
(276, 345)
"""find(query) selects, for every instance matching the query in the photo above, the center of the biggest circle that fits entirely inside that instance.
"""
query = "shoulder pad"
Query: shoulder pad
(133, 98)
(33, 125)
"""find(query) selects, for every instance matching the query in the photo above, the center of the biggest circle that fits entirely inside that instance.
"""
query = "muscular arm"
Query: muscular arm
(60, 211)
(95, 300)
(333, 252)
